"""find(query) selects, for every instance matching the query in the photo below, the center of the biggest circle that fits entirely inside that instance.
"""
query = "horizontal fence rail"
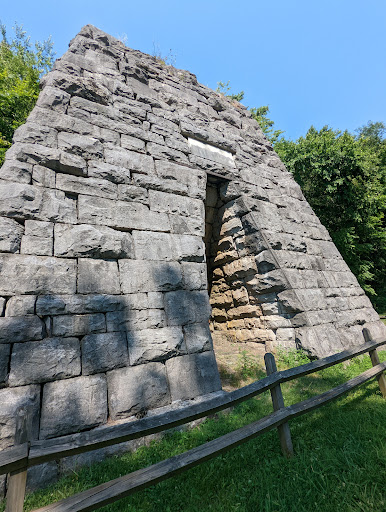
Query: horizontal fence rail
(16, 459)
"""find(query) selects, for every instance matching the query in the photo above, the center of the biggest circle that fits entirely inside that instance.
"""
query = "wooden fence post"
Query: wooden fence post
(278, 403)
(18, 479)
(375, 360)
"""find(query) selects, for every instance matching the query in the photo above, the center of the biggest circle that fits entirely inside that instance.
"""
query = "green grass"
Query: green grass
(339, 463)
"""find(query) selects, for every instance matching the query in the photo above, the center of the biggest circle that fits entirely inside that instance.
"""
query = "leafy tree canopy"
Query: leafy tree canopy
(21, 66)
(343, 177)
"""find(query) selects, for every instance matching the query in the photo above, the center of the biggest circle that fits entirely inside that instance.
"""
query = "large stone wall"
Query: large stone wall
(128, 186)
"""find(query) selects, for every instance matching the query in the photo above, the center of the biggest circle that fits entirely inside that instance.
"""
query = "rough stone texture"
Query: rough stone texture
(137, 389)
(11, 233)
(155, 344)
(46, 360)
(192, 375)
(102, 352)
(132, 193)
(73, 404)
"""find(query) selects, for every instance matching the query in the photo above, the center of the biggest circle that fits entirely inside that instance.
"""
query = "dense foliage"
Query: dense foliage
(21, 65)
(343, 176)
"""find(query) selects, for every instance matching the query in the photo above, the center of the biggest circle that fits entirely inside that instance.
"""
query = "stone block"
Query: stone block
(81, 145)
(192, 375)
(130, 160)
(26, 201)
(11, 233)
(197, 337)
(102, 352)
(155, 344)
(98, 276)
(43, 177)
(78, 325)
(168, 247)
(132, 143)
(193, 180)
(133, 193)
(20, 305)
(19, 172)
(133, 320)
(78, 304)
(175, 204)
(241, 268)
(137, 389)
(93, 241)
(42, 361)
(5, 352)
(187, 307)
(12, 400)
(22, 274)
(21, 328)
(194, 276)
(36, 245)
(102, 170)
(53, 98)
(165, 152)
(120, 214)
(39, 229)
(145, 276)
(73, 405)
(32, 133)
(88, 186)
(42, 475)
(187, 225)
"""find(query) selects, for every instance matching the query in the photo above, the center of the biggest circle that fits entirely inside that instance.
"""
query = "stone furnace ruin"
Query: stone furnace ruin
(132, 200)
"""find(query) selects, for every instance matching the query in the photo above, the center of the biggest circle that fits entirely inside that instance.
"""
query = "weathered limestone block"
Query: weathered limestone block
(193, 180)
(187, 307)
(132, 320)
(20, 274)
(270, 282)
(41, 361)
(40, 246)
(241, 268)
(5, 352)
(96, 242)
(155, 344)
(53, 158)
(42, 475)
(12, 400)
(192, 375)
(145, 276)
(172, 203)
(98, 276)
(34, 133)
(220, 298)
(88, 186)
(133, 193)
(165, 152)
(194, 276)
(276, 321)
(244, 311)
(54, 99)
(102, 352)
(130, 160)
(187, 225)
(240, 296)
(43, 177)
(137, 389)
(39, 229)
(21, 305)
(78, 325)
(168, 247)
(26, 201)
(197, 337)
(11, 233)
(17, 328)
(120, 214)
(132, 143)
(102, 170)
(81, 145)
(19, 172)
(320, 340)
(78, 304)
(72, 405)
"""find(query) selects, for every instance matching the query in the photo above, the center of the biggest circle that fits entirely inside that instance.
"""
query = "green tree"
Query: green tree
(258, 113)
(343, 178)
(21, 66)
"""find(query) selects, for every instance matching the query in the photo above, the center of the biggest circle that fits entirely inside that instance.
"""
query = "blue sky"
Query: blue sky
(312, 62)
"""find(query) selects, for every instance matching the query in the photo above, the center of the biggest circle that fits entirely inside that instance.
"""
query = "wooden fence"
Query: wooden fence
(25, 453)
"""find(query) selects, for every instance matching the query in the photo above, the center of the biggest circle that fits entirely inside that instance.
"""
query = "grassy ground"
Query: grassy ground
(340, 461)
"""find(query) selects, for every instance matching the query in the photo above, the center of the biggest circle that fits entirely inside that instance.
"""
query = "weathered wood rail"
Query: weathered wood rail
(24, 454)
